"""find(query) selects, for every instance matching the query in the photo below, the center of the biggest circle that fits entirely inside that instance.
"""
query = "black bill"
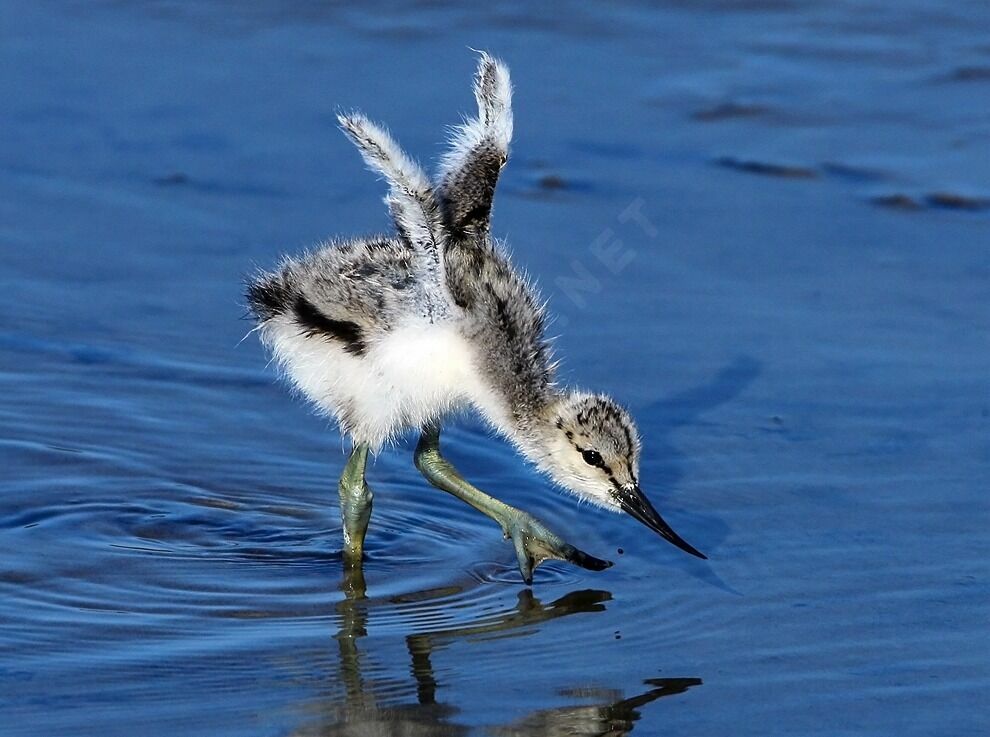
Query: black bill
(635, 503)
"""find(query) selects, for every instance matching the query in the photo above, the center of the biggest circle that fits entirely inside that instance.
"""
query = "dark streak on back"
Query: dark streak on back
(316, 323)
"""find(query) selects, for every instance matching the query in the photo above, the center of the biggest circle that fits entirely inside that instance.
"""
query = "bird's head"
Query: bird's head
(590, 446)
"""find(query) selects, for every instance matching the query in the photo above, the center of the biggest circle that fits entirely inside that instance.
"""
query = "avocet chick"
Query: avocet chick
(396, 332)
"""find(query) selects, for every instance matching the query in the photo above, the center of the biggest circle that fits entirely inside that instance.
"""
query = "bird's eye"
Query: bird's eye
(593, 458)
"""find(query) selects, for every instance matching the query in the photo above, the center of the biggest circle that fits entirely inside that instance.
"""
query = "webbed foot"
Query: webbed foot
(535, 543)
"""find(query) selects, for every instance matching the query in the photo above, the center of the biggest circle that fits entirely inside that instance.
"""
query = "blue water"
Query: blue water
(763, 225)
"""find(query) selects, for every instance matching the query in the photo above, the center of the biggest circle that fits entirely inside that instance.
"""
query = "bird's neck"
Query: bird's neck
(526, 420)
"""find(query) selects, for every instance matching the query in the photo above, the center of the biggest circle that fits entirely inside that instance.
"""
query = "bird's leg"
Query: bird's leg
(534, 542)
(355, 504)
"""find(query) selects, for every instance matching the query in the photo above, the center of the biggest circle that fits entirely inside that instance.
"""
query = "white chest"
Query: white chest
(423, 366)
(408, 377)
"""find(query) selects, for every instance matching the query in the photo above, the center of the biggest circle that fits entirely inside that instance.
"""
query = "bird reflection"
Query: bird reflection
(366, 706)
(613, 716)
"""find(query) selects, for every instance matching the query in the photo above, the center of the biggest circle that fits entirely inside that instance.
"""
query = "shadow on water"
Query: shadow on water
(667, 462)
(667, 415)
(361, 706)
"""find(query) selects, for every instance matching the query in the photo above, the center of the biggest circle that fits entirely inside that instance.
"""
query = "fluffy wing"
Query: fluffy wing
(479, 149)
(410, 199)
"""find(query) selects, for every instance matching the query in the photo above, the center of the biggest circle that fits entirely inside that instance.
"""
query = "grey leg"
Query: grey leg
(534, 542)
(355, 504)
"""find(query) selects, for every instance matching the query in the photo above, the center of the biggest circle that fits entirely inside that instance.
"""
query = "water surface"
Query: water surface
(762, 225)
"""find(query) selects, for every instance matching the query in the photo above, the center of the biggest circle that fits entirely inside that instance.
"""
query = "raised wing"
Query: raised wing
(414, 207)
(479, 149)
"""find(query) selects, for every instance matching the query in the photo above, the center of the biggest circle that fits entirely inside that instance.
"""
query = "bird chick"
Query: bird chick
(397, 332)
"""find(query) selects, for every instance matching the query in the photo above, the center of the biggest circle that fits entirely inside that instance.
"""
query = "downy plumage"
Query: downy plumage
(391, 333)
